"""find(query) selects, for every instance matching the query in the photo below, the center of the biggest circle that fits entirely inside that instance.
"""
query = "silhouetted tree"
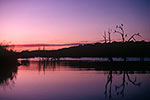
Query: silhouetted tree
(104, 36)
(109, 35)
(120, 30)
(132, 37)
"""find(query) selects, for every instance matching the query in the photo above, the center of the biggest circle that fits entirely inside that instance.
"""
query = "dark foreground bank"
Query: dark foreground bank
(7, 57)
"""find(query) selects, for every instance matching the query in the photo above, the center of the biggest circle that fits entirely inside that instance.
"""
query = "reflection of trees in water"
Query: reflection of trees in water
(25, 62)
(109, 82)
(44, 64)
(119, 88)
(7, 76)
(124, 83)
(47, 64)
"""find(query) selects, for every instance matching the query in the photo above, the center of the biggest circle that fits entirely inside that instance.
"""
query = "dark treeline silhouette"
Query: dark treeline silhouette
(7, 57)
(8, 66)
(114, 49)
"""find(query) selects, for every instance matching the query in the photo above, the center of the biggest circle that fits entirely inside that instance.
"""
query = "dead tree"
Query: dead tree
(109, 35)
(105, 38)
(120, 30)
(132, 37)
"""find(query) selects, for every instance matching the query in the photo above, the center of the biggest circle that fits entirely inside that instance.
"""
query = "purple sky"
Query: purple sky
(71, 21)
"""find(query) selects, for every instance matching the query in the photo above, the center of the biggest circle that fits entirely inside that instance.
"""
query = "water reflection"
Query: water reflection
(117, 79)
(8, 75)
(46, 64)
(121, 87)
(25, 62)
(79, 65)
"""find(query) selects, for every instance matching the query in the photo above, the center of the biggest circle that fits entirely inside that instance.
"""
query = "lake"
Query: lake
(64, 80)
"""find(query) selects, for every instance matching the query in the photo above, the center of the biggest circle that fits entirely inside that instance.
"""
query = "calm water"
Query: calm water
(70, 81)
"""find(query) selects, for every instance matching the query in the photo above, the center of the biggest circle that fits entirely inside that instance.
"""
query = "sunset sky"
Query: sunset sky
(71, 21)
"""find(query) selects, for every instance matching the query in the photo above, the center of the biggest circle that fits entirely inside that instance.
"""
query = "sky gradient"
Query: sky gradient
(71, 21)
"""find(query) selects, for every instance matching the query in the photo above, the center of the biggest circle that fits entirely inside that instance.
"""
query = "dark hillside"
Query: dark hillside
(115, 49)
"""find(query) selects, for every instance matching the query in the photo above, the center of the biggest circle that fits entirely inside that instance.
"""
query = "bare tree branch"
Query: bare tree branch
(120, 30)
(132, 37)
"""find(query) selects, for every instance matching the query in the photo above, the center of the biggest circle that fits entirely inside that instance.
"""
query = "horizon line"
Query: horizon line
(32, 45)
(64, 44)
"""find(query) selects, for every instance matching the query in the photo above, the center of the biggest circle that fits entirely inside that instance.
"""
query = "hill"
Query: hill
(115, 49)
